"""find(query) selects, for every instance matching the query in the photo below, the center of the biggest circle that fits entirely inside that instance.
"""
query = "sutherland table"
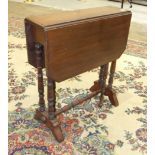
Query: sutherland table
(70, 43)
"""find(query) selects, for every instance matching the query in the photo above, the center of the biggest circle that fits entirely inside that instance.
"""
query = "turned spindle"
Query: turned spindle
(39, 53)
(102, 82)
(112, 72)
(51, 99)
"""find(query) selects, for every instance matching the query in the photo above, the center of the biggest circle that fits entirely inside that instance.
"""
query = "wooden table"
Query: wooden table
(73, 42)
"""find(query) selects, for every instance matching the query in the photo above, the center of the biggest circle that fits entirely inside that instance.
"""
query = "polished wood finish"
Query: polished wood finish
(38, 52)
(53, 20)
(90, 43)
(112, 71)
(30, 32)
(108, 92)
(51, 98)
(70, 43)
(53, 125)
(112, 94)
(106, 89)
(102, 82)
(77, 102)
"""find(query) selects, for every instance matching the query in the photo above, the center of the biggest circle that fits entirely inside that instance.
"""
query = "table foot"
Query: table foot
(53, 125)
(112, 96)
(95, 87)
(108, 92)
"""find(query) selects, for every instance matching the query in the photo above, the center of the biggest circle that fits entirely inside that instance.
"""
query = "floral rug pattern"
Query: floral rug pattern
(88, 130)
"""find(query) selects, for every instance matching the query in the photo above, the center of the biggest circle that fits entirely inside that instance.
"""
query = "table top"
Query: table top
(69, 16)
(77, 41)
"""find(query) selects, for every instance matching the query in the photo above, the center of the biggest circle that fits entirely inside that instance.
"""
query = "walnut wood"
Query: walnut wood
(91, 43)
(76, 102)
(65, 17)
(112, 96)
(108, 92)
(51, 98)
(38, 51)
(95, 86)
(101, 36)
(30, 32)
(102, 82)
(45, 20)
(71, 43)
(112, 71)
(53, 125)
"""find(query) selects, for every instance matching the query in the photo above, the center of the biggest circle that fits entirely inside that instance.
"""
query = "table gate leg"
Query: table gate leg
(112, 71)
(102, 82)
(110, 93)
(51, 99)
(49, 121)
(55, 126)
(39, 52)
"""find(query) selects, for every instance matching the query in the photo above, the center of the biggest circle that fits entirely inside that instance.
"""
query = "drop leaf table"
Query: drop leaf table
(70, 43)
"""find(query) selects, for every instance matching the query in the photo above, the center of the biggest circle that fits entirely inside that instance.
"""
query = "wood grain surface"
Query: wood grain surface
(73, 46)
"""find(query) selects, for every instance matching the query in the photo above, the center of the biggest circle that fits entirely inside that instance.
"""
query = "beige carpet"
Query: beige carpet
(88, 129)
(109, 130)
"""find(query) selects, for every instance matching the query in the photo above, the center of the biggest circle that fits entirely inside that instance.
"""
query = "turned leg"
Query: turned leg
(48, 119)
(39, 52)
(112, 71)
(106, 90)
(51, 99)
(51, 121)
(110, 93)
(102, 82)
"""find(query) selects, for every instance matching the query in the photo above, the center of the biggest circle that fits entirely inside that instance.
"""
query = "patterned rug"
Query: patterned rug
(88, 130)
